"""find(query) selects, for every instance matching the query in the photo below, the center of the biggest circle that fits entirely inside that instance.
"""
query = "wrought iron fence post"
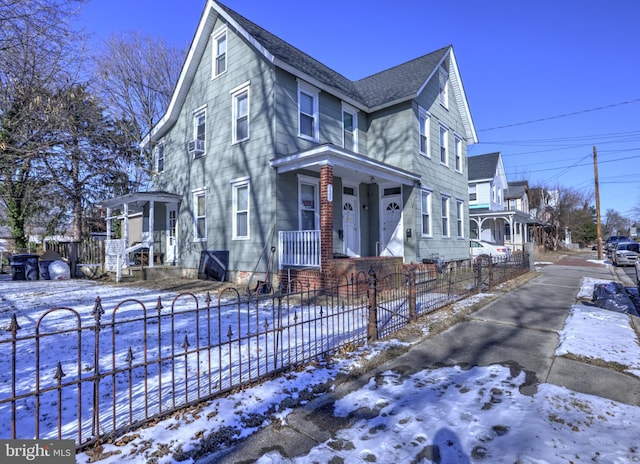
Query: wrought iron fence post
(413, 315)
(372, 326)
(97, 315)
(13, 328)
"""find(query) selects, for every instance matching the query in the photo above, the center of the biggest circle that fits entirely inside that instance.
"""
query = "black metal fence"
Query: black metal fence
(70, 375)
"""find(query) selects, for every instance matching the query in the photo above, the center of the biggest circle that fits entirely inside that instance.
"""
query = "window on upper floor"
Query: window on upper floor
(199, 216)
(473, 196)
(219, 52)
(349, 128)
(241, 201)
(445, 216)
(308, 117)
(444, 146)
(457, 149)
(443, 94)
(460, 218)
(424, 120)
(196, 145)
(159, 157)
(240, 116)
(426, 212)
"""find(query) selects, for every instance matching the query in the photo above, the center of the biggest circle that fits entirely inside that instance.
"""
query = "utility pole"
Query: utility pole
(598, 223)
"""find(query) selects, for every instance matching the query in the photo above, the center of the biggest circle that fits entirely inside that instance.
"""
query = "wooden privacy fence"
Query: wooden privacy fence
(87, 376)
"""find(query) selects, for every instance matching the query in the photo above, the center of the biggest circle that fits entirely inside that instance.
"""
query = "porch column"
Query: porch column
(326, 224)
(152, 221)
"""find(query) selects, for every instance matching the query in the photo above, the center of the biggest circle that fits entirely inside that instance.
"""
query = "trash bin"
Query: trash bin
(24, 267)
(45, 260)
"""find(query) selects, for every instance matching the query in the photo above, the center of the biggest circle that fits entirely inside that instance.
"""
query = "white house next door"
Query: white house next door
(350, 221)
(392, 243)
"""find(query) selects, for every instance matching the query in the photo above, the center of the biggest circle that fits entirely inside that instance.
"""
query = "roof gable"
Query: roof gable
(484, 167)
(400, 83)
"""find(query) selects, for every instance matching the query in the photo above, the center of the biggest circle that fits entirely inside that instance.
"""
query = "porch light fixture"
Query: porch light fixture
(408, 233)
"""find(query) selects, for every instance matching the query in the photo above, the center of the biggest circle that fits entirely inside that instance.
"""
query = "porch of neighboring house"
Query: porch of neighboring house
(135, 239)
(309, 256)
(502, 227)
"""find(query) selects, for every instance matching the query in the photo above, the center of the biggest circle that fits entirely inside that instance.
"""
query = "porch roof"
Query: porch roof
(508, 215)
(138, 199)
(345, 164)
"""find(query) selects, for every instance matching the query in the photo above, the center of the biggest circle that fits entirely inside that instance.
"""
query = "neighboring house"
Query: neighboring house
(263, 146)
(498, 210)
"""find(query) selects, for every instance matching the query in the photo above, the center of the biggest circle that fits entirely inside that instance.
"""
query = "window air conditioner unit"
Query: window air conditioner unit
(196, 147)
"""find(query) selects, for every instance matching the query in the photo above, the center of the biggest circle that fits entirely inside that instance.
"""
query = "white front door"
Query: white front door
(391, 240)
(172, 240)
(350, 221)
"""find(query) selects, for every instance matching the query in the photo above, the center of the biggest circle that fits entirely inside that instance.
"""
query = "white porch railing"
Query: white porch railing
(299, 248)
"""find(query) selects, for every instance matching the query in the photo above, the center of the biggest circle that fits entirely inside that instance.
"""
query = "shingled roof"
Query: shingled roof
(483, 166)
(391, 86)
(517, 189)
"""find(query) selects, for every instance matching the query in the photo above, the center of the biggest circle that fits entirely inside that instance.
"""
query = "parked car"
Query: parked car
(497, 252)
(610, 243)
(625, 253)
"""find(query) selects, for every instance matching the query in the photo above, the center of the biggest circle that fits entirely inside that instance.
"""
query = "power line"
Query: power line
(565, 115)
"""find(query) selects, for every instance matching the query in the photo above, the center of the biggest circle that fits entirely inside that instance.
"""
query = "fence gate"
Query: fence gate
(394, 302)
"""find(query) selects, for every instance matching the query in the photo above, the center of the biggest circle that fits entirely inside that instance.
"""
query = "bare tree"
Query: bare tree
(555, 208)
(39, 54)
(136, 75)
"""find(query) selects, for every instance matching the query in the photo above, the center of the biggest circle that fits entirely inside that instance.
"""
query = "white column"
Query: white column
(151, 222)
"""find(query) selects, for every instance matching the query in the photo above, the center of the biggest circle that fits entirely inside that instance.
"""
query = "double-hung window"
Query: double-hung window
(308, 188)
(444, 141)
(426, 212)
(308, 117)
(160, 157)
(241, 203)
(457, 148)
(219, 52)
(460, 218)
(473, 192)
(200, 215)
(349, 128)
(445, 216)
(240, 116)
(424, 121)
(197, 144)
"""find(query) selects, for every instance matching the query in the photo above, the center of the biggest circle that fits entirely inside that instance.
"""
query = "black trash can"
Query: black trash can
(24, 267)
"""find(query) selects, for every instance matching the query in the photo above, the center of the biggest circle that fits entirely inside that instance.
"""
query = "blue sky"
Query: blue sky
(546, 80)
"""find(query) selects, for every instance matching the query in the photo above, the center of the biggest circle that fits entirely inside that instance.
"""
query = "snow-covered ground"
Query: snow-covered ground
(450, 414)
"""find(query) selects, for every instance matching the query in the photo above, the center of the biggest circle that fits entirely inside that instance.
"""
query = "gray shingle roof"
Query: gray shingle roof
(517, 189)
(483, 166)
(397, 83)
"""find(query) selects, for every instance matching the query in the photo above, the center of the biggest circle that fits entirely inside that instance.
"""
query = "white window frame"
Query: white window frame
(424, 123)
(197, 114)
(315, 182)
(159, 157)
(426, 198)
(236, 94)
(443, 91)
(445, 203)
(216, 38)
(443, 140)
(457, 150)
(196, 194)
(460, 218)
(314, 94)
(354, 117)
(236, 186)
(473, 192)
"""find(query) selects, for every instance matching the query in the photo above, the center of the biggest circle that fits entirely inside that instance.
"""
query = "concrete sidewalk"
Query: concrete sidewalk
(519, 328)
